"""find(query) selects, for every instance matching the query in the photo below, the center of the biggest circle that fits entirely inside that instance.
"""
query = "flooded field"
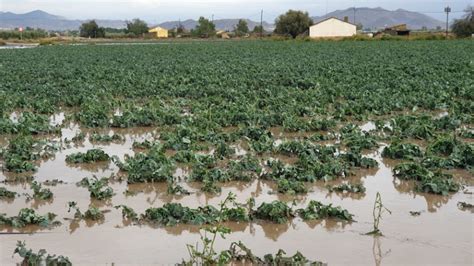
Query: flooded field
(114, 240)
(123, 156)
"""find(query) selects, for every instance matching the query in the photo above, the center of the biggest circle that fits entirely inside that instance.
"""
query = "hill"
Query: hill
(44, 20)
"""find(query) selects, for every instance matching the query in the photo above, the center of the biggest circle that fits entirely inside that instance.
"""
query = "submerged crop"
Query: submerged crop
(91, 156)
(427, 181)
(204, 118)
(28, 216)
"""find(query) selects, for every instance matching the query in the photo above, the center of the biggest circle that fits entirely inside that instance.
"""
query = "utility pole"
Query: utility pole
(212, 18)
(354, 15)
(447, 10)
(178, 28)
(261, 24)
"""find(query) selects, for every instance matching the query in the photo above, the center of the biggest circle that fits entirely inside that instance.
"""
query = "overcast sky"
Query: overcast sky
(164, 10)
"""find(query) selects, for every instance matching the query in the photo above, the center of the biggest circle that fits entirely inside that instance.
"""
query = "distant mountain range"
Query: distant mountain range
(43, 20)
(373, 18)
(376, 18)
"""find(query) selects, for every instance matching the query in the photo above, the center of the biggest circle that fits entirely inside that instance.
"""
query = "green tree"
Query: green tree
(180, 29)
(90, 29)
(137, 27)
(464, 27)
(293, 23)
(258, 29)
(241, 28)
(205, 28)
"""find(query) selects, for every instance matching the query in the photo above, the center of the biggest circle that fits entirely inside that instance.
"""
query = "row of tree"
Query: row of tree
(207, 28)
(137, 27)
(293, 23)
(91, 29)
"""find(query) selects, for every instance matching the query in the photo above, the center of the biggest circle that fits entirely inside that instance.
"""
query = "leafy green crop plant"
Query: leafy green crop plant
(348, 187)
(7, 194)
(39, 192)
(427, 181)
(176, 189)
(93, 213)
(291, 187)
(317, 210)
(20, 154)
(97, 187)
(91, 156)
(93, 113)
(154, 166)
(399, 150)
(31, 258)
(95, 137)
(127, 212)
(175, 213)
(29, 217)
(28, 124)
(275, 211)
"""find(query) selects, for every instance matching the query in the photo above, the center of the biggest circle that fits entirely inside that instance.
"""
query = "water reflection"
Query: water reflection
(36, 203)
(273, 231)
(159, 189)
(258, 189)
(433, 202)
(75, 224)
(328, 224)
(377, 251)
(29, 229)
(91, 167)
(7, 200)
(343, 195)
(100, 203)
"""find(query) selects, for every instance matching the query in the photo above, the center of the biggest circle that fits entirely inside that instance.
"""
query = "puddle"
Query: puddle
(239, 149)
(57, 119)
(369, 126)
(15, 116)
(441, 114)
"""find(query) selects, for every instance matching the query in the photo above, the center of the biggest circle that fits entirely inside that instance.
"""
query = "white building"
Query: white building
(332, 27)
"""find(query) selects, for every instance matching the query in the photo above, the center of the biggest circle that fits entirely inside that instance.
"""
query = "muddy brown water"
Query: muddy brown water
(442, 234)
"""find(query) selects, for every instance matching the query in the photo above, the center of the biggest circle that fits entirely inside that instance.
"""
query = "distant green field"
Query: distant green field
(268, 81)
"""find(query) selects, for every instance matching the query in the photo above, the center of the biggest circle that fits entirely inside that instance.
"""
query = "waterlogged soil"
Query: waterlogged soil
(441, 234)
